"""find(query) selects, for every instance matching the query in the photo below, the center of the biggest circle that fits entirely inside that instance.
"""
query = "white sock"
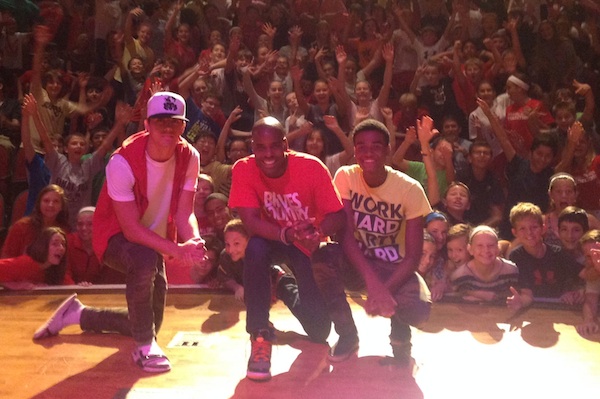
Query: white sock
(151, 349)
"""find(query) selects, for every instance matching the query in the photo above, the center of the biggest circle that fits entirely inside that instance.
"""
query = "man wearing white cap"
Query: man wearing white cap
(147, 197)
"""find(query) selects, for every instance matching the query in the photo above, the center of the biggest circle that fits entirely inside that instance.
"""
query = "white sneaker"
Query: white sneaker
(57, 322)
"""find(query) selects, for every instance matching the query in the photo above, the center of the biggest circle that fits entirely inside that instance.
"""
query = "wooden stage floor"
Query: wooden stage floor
(464, 351)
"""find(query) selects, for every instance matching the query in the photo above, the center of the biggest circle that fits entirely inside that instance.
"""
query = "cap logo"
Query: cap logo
(170, 104)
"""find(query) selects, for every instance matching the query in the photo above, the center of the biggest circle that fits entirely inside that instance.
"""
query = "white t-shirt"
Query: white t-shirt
(120, 182)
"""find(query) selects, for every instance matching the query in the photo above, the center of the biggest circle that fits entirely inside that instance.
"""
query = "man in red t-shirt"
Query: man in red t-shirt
(287, 202)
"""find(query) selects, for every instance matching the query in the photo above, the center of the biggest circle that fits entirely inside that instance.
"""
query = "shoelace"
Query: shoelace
(261, 350)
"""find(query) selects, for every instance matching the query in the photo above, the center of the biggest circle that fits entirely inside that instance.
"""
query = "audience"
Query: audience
(320, 78)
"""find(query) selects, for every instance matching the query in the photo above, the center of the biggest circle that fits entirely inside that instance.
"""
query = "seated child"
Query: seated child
(487, 277)
(428, 259)
(44, 262)
(590, 243)
(573, 223)
(205, 272)
(544, 269)
(456, 202)
(436, 225)
(200, 273)
(205, 188)
(230, 272)
(457, 246)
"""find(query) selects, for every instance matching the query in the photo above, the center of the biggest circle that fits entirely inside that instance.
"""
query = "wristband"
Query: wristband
(282, 236)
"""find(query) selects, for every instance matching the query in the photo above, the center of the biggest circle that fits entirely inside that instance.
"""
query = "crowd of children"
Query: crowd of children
(513, 174)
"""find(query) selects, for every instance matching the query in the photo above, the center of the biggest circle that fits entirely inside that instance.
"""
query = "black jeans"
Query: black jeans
(146, 291)
(309, 308)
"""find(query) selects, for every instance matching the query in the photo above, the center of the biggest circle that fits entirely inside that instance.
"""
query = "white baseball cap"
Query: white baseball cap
(166, 104)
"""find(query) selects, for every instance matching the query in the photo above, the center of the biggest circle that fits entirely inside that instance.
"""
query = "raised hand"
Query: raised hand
(411, 136)
(340, 54)
(484, 107)
(29, 105)
(581, 89)
(331, 122)
(123, 113)
(387, 52)
(387, 113)
(575, 132)
(83, 79)
(424, 131)
(269, 30)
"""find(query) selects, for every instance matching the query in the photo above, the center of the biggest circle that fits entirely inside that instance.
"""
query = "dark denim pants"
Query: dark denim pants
(146, 290)
(334, 273)
(309, 308)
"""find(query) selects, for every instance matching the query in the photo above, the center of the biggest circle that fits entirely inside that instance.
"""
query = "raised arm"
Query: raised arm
(42, 37)
(498, 130)
(414, 84)
(573, 136)
(425, 134)
(332, 124)
(296, 73)
(255, 100)
(171, 23)
(388, 118)
(398, 160)
(403, 25)
(234, 47)
(28, 110)
(511, 26)
(235, 115)
(387, 53)
(123, 114)
(585, 90)
(128, 28)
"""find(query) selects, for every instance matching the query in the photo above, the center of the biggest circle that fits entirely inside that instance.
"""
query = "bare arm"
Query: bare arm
(425, 134)
(403, 25)
(42, 36)
(123, 114)
(29, 107)
(398, 160)
(573, 135)
(332, 124)
(585, 90)
(233, 116)
(171, 22)
(32, 110)
(255, 99)
(498, 130)
(388, 55)
(129, 219)
(414, 84)
(589, 310)
(511, 26)
(296, 73)
(234, 47)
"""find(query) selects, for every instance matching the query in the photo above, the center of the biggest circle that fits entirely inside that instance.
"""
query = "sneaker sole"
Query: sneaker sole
(46, 329)
(258, 376)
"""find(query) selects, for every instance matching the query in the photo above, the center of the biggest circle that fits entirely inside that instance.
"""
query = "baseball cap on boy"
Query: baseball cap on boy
(165, 104)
